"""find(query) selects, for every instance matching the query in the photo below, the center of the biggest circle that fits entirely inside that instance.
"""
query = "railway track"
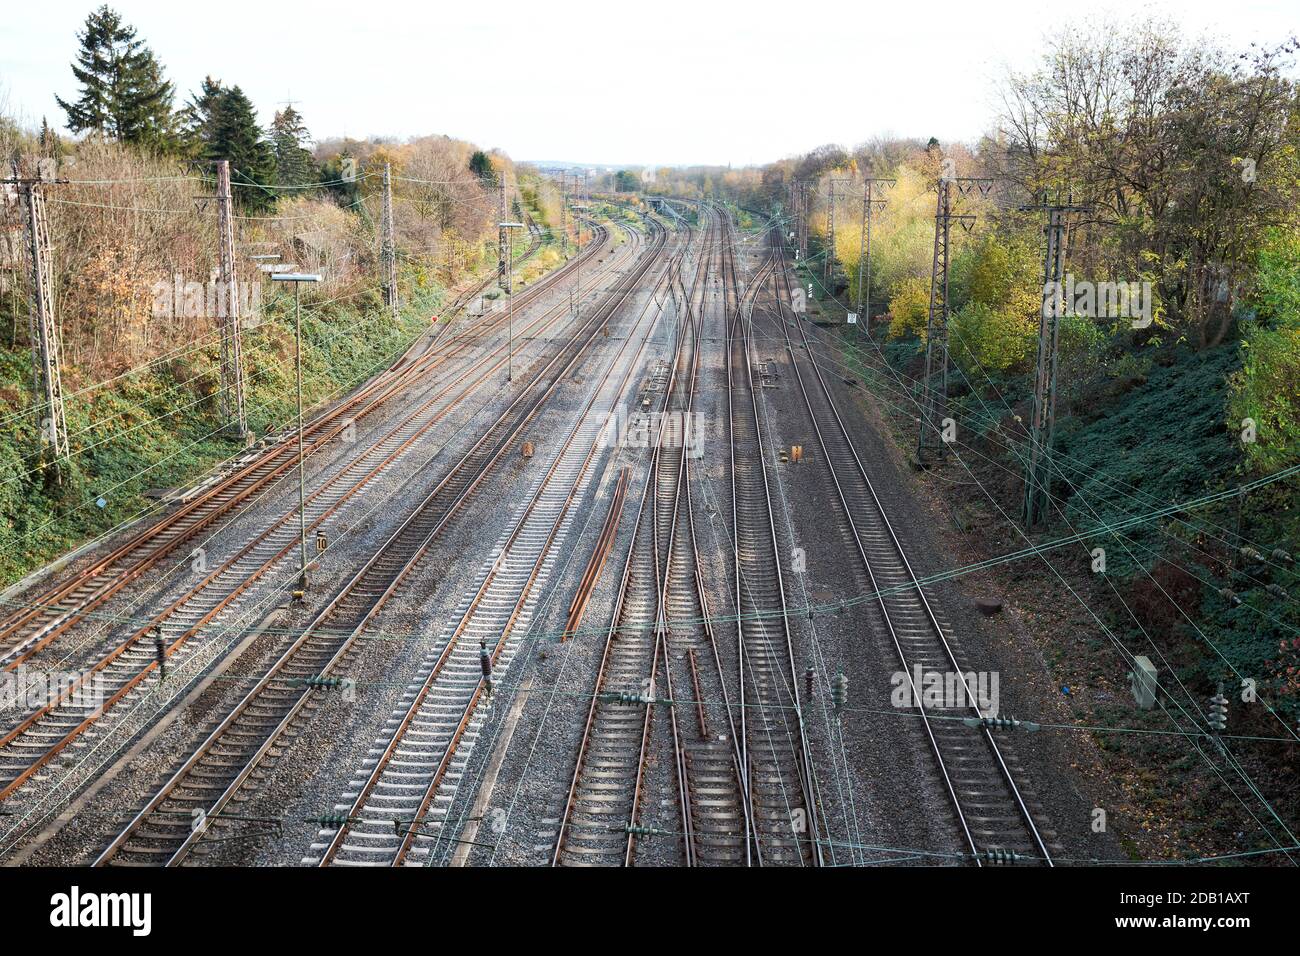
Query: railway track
(661, 627)
(465, 297)
(246, 740)
(124, 663)
(396, 813)
(993, 809)
(707, 761)
(43, 615)
(775, 748)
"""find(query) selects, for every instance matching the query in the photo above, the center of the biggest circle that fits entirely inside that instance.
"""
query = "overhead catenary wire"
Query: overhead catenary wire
(146, 510)
(156, 691)
(1058, 456)
(1174, 510)
(833, 729)
(1120, 525)
(187, 447)
(230, 633)
(1128, 654)
(1118, 528)
(116, 436)
(1249, 783)
(834, 606)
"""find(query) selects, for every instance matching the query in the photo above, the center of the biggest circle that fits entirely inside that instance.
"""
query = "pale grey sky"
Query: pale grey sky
(659, 81)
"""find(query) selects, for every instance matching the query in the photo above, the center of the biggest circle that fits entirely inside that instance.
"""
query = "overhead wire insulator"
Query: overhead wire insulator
(999, 856)
(1283, 557)
(1229, 595)
(635, 830)
(624, 697)
(1218, 718)
(839, 691)
(1001, 723)
(1250, 554)
(1277, 591)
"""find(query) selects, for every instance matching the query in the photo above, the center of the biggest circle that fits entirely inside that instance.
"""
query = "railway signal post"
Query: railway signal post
(576, 294)
(388, 246)
(502, 241)
(564, 217)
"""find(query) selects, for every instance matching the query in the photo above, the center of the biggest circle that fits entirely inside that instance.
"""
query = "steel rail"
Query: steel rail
(707, 833)
(611, 649)
(599, 556)
(641, 628)
(32, 762)
(753, 643)
(450, 751)
(390, 565)
(411, 834)
(978, 852)
(710, 778)
(83, 591)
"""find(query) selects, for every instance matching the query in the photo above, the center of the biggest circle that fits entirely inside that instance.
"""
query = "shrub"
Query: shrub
(985, 339)
(1265, 390)
(909, 308)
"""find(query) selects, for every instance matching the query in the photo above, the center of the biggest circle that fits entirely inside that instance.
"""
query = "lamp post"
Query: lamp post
(507, 228)
(298, 278)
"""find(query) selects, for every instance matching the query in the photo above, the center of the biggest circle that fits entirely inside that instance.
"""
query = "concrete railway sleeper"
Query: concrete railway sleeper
(209, 779)
(123, 665)
(396, 813)
(993, 809)
(41, 615)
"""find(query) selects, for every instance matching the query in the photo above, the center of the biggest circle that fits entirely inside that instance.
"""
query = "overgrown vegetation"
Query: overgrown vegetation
(1187, 158)
(134, 250)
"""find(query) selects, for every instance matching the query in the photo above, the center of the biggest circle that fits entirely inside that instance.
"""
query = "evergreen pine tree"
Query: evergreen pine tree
(49, 140)
(480, 164)
(294, 164)
(145, 115)
(196, 118)
(123, 92)
(233, 134)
